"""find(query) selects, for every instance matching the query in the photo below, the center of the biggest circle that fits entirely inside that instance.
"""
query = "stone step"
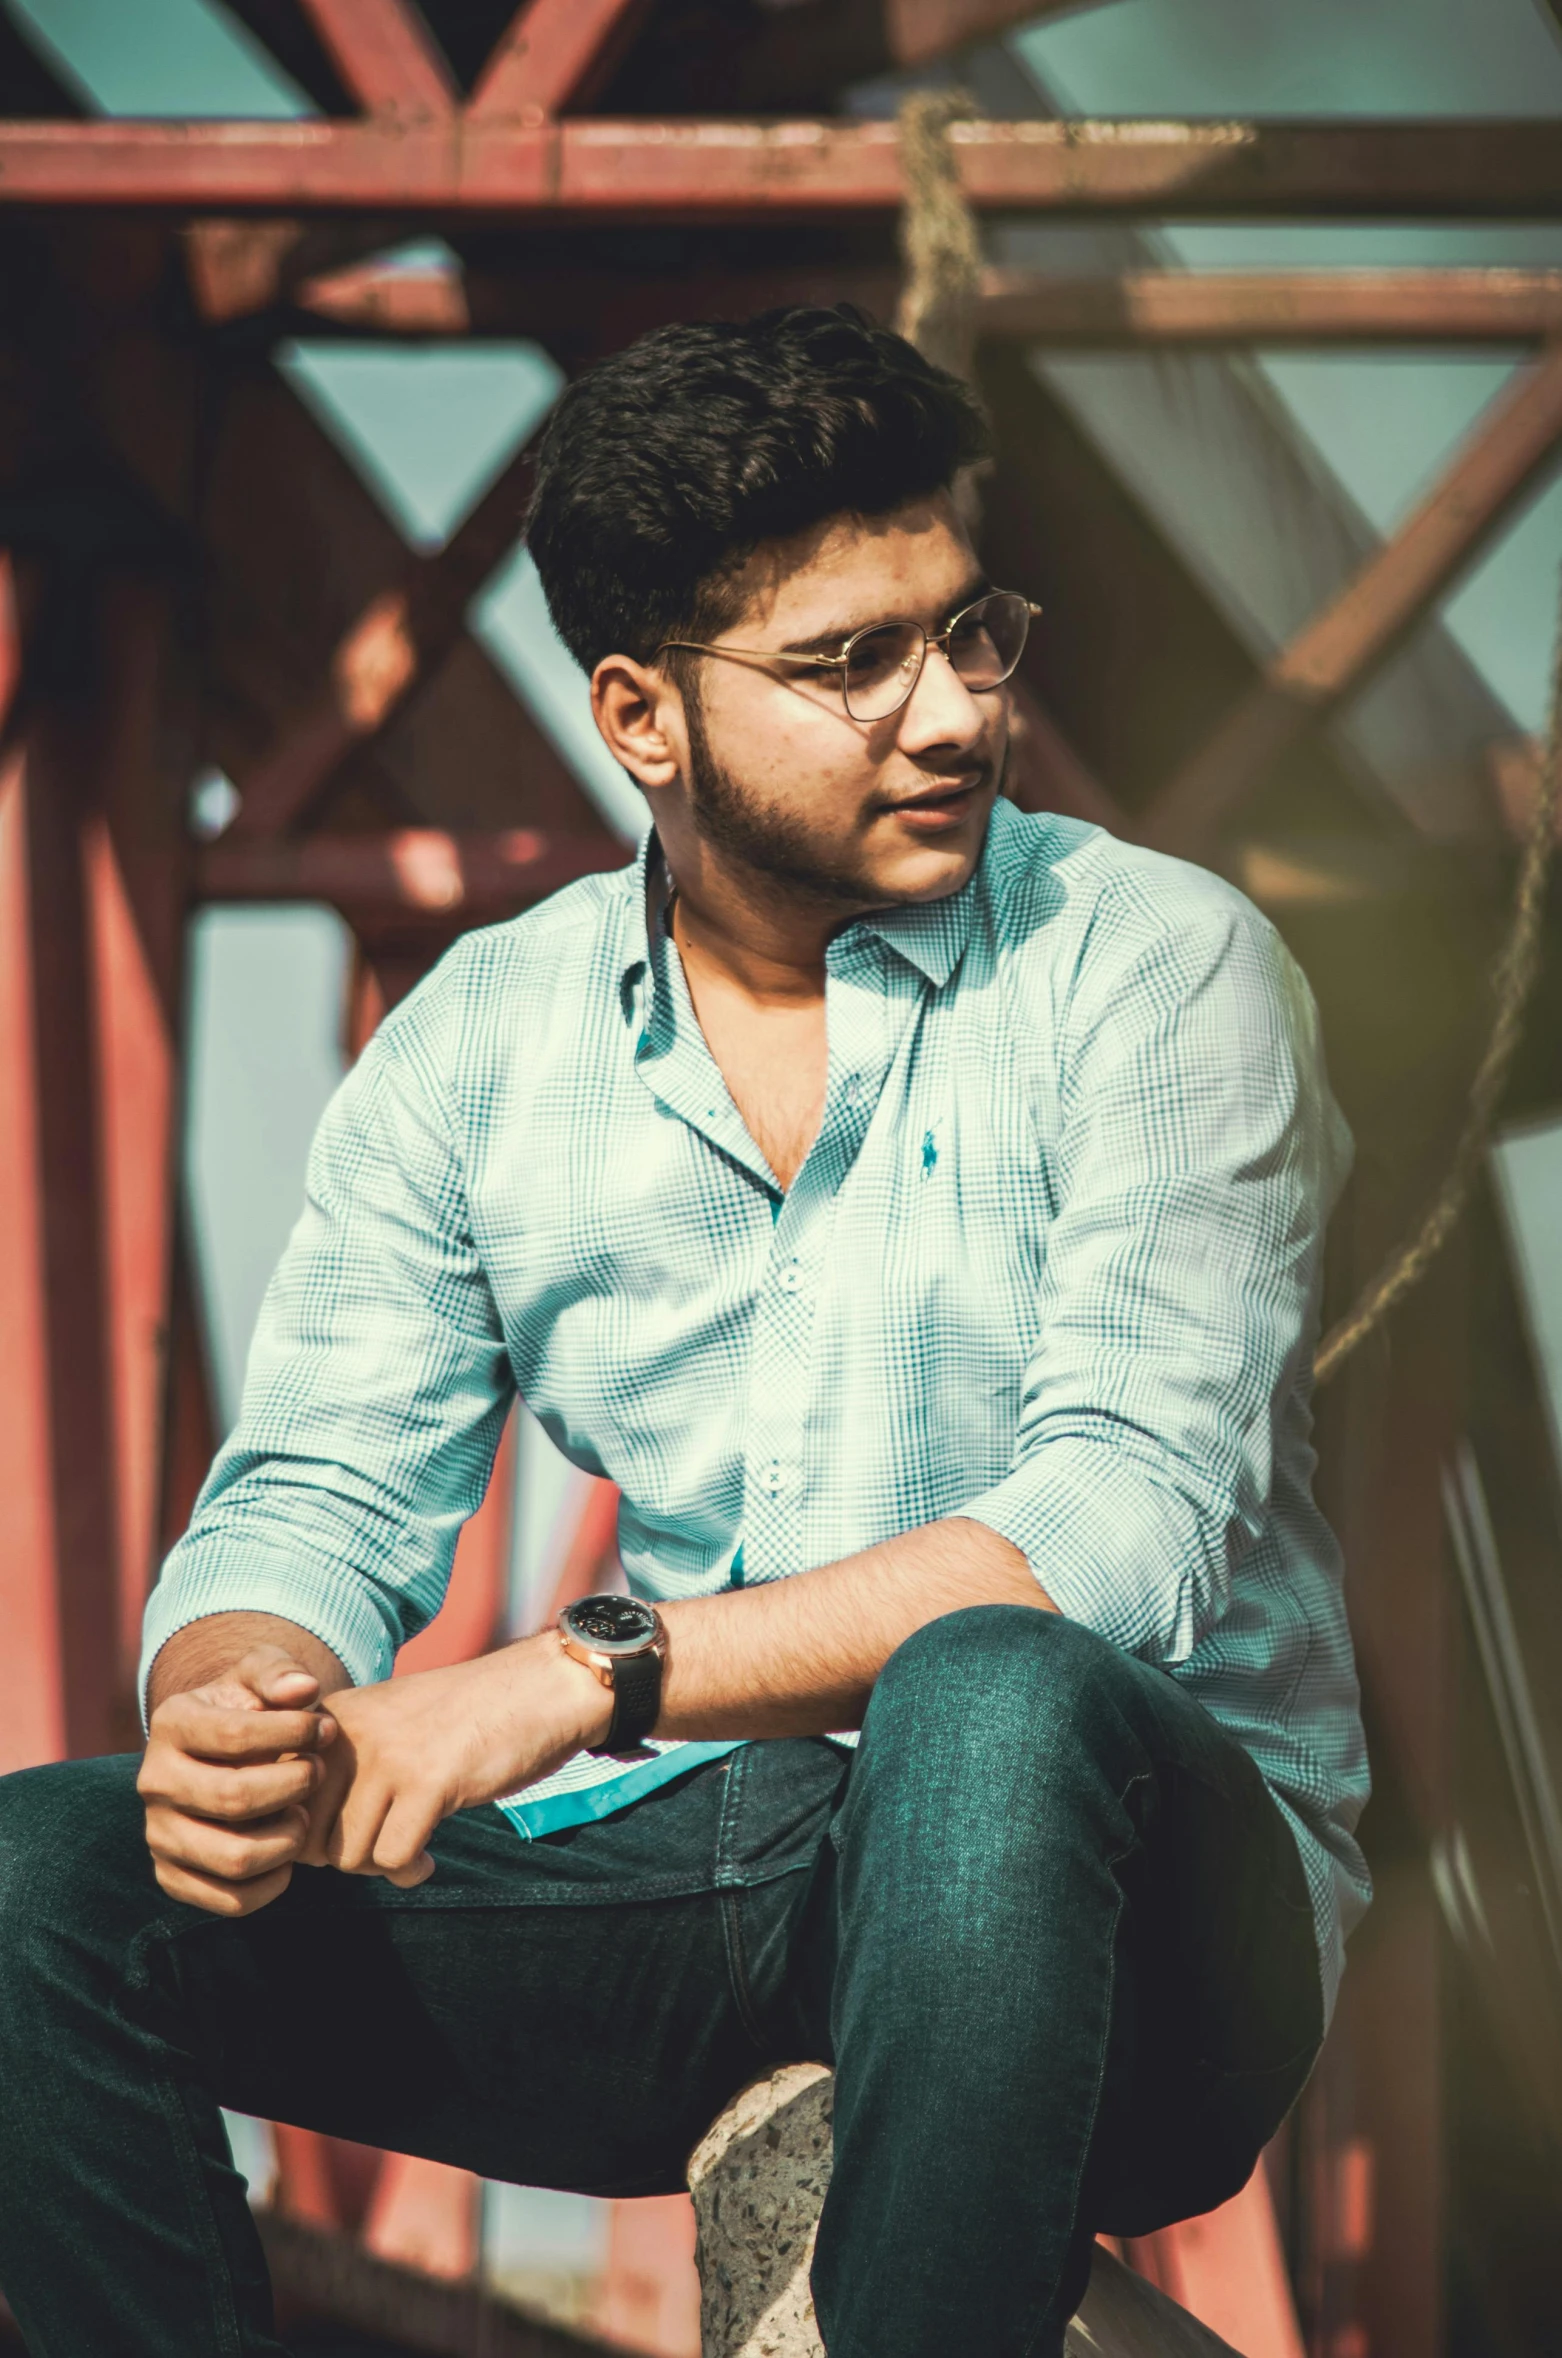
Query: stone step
(759, 2179)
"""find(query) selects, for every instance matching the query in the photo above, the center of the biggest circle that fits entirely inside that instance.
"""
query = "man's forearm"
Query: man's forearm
(799, 1657)
(206, 1650)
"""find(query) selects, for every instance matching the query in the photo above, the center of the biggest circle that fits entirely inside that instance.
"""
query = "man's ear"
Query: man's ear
(639, 714)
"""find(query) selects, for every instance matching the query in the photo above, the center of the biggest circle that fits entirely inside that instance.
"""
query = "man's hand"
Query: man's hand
(410, 1752)
(229, 1767)
(263, 1758)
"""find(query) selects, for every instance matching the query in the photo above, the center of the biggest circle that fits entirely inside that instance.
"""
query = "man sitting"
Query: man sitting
(916, 1209)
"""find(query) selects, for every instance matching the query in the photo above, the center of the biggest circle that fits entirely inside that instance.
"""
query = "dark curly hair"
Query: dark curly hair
(664, 467)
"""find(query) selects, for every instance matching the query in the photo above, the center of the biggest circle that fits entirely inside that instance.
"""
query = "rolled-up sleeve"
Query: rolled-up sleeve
(376, 1390)
(1200, 1153)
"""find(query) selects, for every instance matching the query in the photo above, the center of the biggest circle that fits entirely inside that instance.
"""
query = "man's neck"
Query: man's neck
(763, 937)
(757, 988)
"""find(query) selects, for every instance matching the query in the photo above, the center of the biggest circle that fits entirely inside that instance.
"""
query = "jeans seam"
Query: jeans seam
(727, 1823)
(425, 1901)
(1142, 1777)
(737, 1966)
(728, 1887)
(218, 2269)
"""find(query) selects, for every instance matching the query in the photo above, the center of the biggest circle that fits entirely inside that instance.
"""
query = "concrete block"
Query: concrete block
(759, 2179)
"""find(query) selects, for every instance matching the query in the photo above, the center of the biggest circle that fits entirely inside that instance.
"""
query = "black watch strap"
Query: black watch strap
(637, 1701)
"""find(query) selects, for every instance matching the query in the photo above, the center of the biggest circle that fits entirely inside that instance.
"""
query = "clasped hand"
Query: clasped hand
(257, 1772)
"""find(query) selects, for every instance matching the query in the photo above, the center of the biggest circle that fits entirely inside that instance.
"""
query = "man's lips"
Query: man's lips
(939, 806)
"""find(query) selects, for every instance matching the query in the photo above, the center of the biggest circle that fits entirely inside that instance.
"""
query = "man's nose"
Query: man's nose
(941, 709)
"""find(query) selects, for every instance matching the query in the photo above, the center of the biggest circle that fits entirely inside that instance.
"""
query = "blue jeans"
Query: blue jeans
(1048, 1925)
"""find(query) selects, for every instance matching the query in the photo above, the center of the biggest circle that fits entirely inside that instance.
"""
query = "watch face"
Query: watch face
(616, 1624)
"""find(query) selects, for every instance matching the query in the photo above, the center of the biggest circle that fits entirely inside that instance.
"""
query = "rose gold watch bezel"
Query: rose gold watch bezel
(602, 1664)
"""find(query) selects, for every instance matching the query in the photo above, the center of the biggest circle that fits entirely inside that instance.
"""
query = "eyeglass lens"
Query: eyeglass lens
(984, 646)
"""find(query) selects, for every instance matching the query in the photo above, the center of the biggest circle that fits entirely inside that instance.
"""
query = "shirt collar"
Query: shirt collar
(931, 936)
(645, 874)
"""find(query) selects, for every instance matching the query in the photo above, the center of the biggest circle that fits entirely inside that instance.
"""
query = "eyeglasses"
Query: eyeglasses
(878, 668)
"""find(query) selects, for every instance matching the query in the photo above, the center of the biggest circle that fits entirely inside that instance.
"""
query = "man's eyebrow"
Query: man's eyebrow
(831, 641)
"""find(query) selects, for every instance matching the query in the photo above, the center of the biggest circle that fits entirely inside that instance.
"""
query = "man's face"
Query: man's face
(859, 813)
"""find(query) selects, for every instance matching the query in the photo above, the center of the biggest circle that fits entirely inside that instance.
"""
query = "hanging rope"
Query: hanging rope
(941, 254)
(939, 247)
(1513, 980)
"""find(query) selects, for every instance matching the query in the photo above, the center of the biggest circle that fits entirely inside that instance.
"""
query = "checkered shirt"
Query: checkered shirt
(1051, 1263)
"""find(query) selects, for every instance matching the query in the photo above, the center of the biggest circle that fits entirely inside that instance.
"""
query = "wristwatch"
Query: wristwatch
(625, 1643)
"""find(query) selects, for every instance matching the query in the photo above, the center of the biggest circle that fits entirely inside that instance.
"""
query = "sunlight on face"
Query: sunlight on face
(880, 811)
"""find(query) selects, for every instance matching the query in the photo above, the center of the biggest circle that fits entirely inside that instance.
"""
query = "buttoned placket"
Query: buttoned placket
(866, 1010)
(870, 995)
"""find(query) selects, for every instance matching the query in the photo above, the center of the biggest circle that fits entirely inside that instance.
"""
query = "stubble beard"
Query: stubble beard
(772, 844)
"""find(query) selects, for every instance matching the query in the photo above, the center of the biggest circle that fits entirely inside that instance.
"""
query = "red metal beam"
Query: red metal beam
(707, 169)
(90, 945)
(376, 296)
(553, 53)
(236, 267)
(426, 2215)
(247, 264)
(135, 871)
(139, 1082)
(649, 2295)
(1340, 649)
(413, 870)
(574, 304)
(372, 670)
(384, 54)
(58, 1538)
(393, 648)
(32, 1718)
(1275, 307)
(1151, 307)
(190, 1417)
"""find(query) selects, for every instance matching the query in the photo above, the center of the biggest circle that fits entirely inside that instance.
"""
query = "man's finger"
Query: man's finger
(211, 1731)
(408, 1878)
(338, 1768)
(217, 1897)
(229, 1854)
(273, 1677)
(350, 1843)
(228, 1792)
(401, 1849)
(354, 1843)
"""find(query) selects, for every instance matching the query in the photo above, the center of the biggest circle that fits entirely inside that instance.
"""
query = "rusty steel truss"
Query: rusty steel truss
(190, 574)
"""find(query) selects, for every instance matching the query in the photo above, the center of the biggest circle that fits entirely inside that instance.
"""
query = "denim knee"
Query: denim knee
(70, 1834)
(992, 1730)
(1012, 1672)
(985, 1796)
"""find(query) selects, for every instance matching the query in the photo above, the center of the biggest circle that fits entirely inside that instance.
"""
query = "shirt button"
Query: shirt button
(775, 1477)
(854, 1088)
(791, 1278)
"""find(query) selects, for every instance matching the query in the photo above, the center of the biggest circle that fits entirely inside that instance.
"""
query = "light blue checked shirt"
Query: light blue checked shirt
(1052, 1262)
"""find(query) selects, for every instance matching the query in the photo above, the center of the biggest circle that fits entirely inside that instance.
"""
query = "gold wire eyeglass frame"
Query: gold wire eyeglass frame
(841, 662)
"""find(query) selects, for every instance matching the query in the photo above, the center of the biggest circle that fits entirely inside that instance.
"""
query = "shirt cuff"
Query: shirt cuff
(336, 1606)
(1122, 1559)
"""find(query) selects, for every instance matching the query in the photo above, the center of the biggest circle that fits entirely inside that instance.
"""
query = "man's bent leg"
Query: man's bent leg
(560, 2012)
(1069, 1923)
